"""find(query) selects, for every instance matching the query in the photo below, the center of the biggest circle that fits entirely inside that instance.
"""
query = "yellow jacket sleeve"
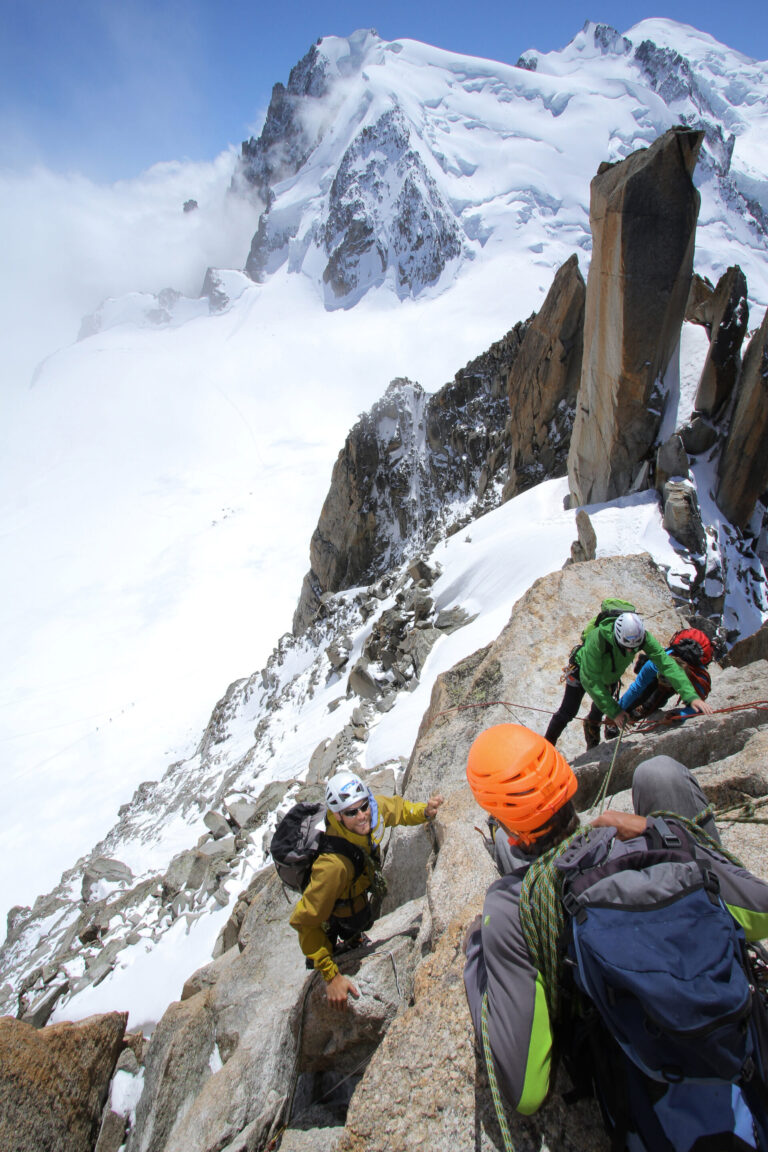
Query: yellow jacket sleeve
(394, 810)
(331, 879)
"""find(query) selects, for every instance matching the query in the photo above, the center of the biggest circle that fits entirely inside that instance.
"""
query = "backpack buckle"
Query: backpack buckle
(574, 907)
(711, 882)
(669, 839)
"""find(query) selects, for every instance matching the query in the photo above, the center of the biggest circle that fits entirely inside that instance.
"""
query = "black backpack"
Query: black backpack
(300, 838)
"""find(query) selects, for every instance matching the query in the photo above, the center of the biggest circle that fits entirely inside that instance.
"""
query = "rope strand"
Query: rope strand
(641, 728)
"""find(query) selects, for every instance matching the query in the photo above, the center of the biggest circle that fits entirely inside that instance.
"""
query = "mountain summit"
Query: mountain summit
(394, 163)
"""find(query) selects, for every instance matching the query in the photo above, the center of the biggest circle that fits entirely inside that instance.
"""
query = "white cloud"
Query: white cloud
(69, 243)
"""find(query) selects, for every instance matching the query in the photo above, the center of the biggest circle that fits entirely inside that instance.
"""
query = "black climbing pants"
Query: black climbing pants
(572, 698)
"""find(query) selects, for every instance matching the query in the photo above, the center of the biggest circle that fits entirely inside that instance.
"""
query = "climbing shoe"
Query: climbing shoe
(591, 732)
(358, 941)
(611, 730)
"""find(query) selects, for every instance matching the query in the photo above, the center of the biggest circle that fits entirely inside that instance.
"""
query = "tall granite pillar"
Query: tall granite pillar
(726, 315)
(643, 212)
(543, 383)
(743, 470)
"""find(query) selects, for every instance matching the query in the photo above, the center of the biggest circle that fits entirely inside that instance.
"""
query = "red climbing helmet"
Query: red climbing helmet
(520, 778)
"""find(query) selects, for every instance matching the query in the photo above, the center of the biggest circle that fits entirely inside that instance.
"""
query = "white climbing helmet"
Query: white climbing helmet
(629, 630)
(343, 790)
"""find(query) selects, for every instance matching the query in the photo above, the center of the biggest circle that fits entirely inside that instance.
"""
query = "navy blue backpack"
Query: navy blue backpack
(667, 1025)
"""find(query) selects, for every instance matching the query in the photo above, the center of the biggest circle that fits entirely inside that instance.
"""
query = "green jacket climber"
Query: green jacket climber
(607, 649)
(602, 662)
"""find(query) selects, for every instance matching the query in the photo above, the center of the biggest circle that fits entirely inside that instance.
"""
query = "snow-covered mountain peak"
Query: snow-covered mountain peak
(699, 48)
(349, 54)
(593, 41)
(394, 164)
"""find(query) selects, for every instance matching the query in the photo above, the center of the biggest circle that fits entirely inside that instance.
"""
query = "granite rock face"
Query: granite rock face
(543, 383)
(643, 214)
(524, 664)
(726, 315)
(253, 1027)
(54, 1082)
(743, 469)
(428, 1075)
(252, 1043)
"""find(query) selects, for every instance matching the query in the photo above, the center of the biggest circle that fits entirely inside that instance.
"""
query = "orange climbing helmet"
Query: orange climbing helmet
(520, 778)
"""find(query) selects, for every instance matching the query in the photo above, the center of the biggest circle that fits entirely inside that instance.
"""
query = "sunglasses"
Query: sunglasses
(360, 808)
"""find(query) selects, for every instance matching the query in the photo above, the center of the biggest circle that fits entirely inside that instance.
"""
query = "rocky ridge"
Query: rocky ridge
(250, 1046)
(215, 1073)
(412, 468)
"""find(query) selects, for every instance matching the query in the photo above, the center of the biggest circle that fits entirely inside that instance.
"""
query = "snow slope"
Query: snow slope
(160, 481)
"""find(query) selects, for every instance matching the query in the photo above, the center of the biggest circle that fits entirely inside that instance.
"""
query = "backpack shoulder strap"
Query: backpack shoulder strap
(338, 846)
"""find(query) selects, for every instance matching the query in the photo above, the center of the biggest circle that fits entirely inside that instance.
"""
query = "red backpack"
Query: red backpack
(693, 645)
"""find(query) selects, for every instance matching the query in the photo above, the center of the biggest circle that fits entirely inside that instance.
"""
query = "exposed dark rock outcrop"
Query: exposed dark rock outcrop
(643, 213)
(743, 469)
(682, 516)
(748, 650)
(401, 463)
(385, 212)
(384, 215)
(285, 142)
(585, 546)
(543, 383)
(699, 295)
(671, 460)
(726, 315)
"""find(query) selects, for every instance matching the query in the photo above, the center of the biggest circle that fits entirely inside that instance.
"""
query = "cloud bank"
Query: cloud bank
(70, 243)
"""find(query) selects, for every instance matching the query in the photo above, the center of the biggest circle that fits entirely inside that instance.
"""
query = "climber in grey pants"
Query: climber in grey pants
(662, 784)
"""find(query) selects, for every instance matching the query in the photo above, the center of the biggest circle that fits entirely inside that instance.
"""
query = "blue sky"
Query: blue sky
(109, 87)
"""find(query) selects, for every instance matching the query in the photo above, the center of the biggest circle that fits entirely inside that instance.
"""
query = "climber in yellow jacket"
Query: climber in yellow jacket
(344, 892)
